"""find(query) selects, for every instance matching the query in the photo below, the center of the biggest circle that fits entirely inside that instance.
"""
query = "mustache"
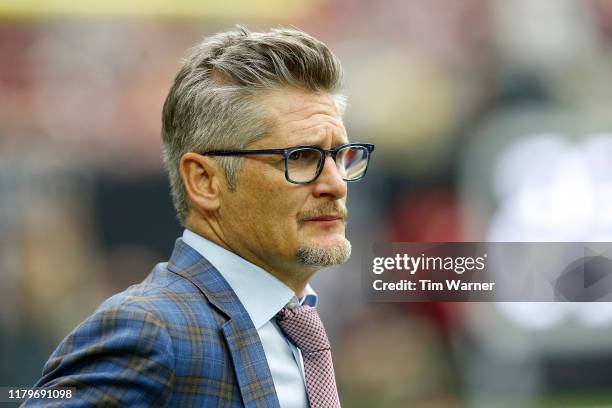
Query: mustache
(331, 208)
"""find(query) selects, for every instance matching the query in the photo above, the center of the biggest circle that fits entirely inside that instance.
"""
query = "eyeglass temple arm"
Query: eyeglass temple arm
(368, 146)
(243, 152)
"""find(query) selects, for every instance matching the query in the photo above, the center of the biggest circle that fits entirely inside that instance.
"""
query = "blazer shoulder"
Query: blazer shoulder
(164, 299)
(166, 295)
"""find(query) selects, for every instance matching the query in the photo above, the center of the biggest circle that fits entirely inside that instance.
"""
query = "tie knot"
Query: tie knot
(304, 328)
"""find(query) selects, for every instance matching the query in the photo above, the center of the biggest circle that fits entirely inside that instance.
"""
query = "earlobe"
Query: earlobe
(200, 176)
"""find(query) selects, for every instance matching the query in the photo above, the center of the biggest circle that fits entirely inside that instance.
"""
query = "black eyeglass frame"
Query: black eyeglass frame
(286, 152)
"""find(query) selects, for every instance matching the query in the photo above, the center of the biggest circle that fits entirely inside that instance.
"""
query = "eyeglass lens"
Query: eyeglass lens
(303, 164)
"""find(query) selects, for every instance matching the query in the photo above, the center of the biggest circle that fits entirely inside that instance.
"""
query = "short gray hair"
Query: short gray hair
(212, 104)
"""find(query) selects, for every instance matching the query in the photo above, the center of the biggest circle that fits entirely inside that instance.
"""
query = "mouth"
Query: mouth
(327, 219)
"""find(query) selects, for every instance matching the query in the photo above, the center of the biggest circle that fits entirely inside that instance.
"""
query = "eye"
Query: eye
(305, 156)
(296, 155)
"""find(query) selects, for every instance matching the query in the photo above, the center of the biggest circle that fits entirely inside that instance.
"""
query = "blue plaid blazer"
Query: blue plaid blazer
(181, 338)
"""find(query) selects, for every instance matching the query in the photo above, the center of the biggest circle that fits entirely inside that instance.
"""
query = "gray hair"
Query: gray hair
(213, 105)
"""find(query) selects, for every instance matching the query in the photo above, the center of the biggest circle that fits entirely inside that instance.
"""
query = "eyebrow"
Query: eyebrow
(319, 143)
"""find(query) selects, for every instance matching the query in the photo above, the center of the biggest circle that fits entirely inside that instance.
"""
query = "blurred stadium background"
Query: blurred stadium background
(491, 119)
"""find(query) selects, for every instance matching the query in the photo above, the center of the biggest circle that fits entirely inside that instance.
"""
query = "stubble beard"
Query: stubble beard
(322, 256)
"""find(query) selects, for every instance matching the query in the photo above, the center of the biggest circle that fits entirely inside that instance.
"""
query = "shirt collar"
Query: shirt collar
(260, 292)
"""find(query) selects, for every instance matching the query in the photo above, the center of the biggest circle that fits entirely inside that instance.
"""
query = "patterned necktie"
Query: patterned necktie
(304, 328)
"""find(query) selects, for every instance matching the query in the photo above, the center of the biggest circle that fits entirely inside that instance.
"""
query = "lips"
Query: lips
(326, 218)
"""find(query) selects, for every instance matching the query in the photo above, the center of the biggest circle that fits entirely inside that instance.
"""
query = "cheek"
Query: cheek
(272, 206)
(281, 207)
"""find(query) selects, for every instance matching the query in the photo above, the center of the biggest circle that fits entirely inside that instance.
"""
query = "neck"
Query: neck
(295, 277)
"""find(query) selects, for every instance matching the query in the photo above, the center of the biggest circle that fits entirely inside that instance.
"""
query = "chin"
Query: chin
(324, 253)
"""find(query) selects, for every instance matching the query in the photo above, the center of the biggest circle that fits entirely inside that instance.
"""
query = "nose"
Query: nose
(330, 182)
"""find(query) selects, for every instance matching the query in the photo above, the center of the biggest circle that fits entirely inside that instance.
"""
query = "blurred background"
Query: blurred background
(491, 120)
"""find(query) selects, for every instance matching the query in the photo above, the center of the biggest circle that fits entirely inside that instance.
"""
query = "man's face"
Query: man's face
(290, 229)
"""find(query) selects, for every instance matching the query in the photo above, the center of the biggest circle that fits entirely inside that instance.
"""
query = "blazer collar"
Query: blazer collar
(188, 263)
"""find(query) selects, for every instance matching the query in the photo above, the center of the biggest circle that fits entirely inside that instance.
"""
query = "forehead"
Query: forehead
(303, 117)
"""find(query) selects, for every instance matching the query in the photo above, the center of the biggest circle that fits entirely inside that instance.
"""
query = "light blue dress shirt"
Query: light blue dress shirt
(263, 295)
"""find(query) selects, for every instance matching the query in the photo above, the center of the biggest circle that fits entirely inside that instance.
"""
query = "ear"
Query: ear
(202, 177)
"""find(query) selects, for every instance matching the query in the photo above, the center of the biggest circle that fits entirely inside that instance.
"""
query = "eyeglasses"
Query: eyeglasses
(303, 164)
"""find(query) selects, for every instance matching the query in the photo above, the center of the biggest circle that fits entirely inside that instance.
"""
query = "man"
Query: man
(258, 160)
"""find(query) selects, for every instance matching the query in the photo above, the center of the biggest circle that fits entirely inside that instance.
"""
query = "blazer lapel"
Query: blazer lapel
(245, 348)
(250, 364)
